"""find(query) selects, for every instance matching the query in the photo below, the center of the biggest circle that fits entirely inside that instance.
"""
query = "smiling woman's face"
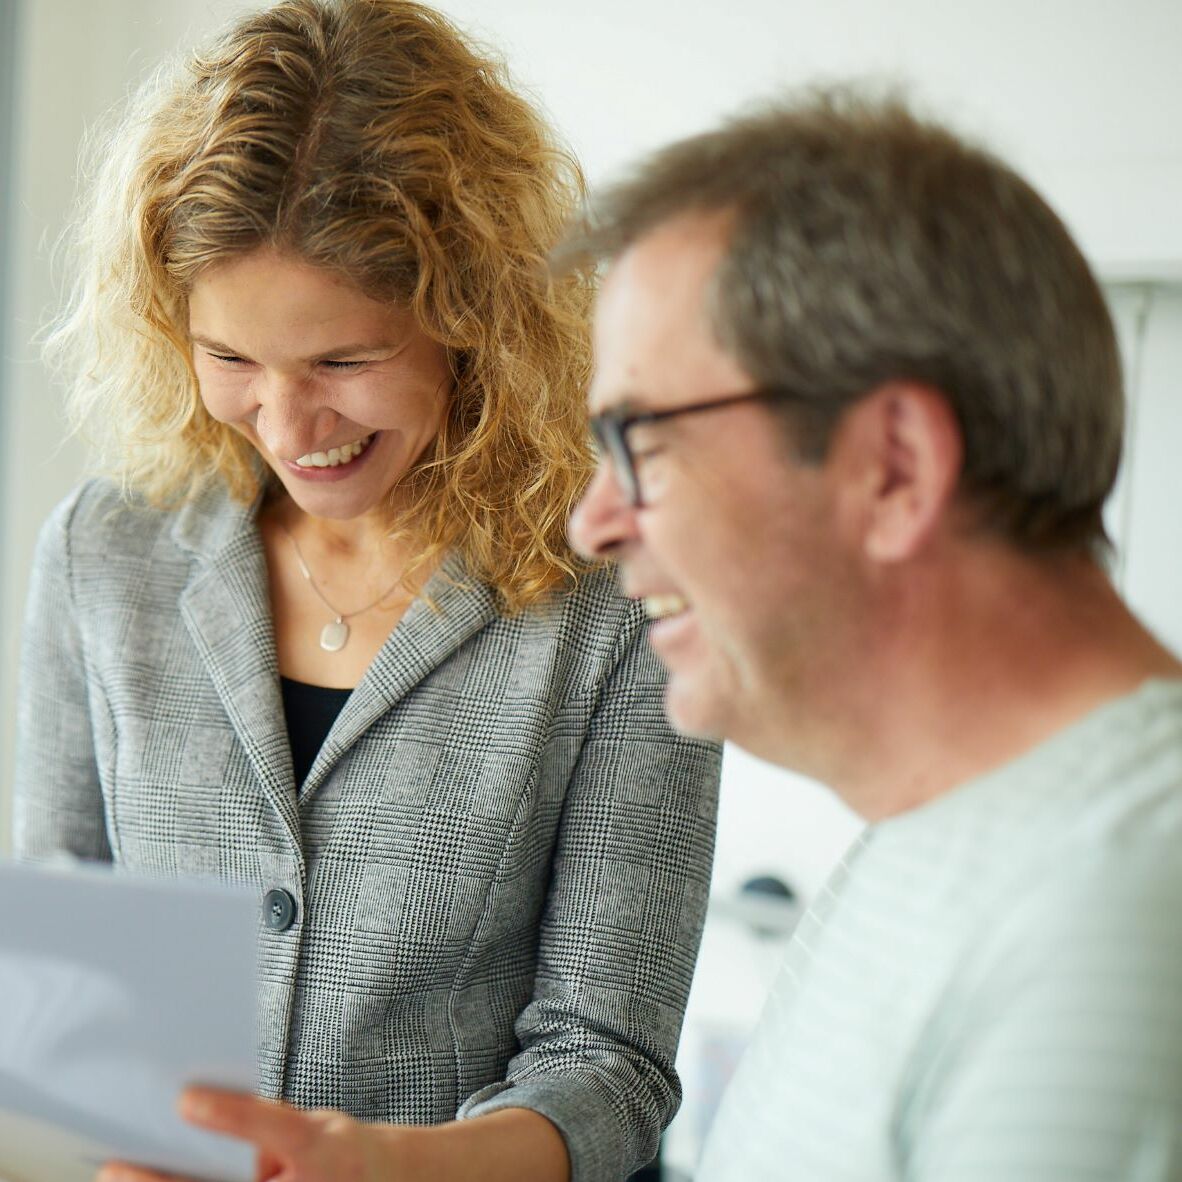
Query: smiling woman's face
(339, 393)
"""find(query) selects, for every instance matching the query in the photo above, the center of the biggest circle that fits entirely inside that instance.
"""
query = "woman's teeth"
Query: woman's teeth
(335, 456)
(657, 607)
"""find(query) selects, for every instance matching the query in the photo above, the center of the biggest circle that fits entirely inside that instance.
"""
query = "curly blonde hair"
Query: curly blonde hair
(369, 138)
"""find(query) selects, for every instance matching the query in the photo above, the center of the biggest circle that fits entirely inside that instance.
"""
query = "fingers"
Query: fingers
(235, 1114)
(273, 1127)
(118, 1171)
(267, 1166)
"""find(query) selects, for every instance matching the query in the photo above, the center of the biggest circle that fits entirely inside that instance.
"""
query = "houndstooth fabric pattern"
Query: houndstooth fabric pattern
(500, 856)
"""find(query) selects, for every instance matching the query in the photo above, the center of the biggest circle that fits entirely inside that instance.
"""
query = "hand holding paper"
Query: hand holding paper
(297, 1146)
(293, 1145)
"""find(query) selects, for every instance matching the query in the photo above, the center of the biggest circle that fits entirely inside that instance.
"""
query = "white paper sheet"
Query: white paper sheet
(115, 992)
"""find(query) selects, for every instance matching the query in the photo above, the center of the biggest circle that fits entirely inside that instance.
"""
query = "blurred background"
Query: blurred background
(1083, 96)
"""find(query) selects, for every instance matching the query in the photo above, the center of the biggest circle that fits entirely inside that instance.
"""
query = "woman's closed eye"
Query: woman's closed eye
(339, 366)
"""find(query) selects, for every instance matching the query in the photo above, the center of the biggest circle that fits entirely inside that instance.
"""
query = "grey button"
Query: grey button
(279, 910)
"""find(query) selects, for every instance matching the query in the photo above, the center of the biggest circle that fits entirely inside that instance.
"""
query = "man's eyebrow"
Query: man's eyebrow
(627, 404)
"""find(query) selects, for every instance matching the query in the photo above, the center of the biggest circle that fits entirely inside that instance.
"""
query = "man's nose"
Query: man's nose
(603, 520)
(293, 420)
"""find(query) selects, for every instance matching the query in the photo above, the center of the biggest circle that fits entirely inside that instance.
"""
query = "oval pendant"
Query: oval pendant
(334, 636)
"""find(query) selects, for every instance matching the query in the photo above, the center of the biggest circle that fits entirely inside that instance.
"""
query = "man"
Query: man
(858, 402)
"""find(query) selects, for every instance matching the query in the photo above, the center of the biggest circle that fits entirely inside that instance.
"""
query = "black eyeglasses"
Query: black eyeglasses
(611, 427)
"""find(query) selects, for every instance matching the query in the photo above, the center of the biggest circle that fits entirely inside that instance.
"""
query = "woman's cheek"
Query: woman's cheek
(385, 396)
(225, 396)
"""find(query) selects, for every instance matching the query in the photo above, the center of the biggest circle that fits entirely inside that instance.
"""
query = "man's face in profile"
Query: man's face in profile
(733, 544)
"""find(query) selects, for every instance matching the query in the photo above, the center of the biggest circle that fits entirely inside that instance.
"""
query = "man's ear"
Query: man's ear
(897, 454)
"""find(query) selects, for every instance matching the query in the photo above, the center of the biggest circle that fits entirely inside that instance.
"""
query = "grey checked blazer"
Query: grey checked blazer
(500, 856)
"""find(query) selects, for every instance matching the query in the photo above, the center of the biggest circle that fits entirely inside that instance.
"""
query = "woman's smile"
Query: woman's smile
(334, 457)
(335, 464)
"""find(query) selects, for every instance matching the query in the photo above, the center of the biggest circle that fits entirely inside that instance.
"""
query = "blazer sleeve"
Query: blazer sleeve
(620, 929)
(58, 804)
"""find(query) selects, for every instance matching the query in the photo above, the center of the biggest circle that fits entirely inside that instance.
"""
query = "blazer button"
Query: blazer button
(279, 910)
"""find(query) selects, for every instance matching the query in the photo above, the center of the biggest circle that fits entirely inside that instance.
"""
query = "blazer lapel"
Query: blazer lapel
(226, 609)
(452, 609)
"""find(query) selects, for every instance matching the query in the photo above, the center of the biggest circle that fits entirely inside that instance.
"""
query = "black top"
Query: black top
(310, 711)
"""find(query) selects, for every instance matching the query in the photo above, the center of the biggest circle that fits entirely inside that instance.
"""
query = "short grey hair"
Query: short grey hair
(870, 245)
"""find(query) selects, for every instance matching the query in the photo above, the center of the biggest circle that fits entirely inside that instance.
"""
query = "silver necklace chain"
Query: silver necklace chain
(335, 634)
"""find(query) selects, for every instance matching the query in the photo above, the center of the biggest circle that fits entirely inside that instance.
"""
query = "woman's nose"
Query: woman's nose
(293, 420)
(603, 521)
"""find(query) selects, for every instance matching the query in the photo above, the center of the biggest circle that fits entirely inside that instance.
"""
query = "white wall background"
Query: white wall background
(75, 60)
(1084, 96)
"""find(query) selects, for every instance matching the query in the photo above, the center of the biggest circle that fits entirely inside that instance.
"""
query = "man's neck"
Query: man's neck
(988, 659)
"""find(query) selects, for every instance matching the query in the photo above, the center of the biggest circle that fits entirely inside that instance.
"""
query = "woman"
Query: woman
(322, 632)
